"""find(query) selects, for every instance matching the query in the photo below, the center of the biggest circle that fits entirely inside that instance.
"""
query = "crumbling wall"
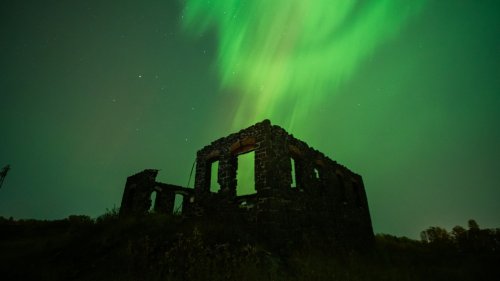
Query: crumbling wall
(325, 196)
(137, 194)
(226, 150)
(136, 198)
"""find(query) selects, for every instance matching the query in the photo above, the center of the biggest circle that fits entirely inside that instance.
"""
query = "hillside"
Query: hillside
(159, 247)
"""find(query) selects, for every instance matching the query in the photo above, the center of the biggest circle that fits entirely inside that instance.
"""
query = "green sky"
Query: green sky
(408, 96)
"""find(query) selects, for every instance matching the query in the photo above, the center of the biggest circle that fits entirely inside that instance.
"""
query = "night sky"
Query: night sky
(407, 95)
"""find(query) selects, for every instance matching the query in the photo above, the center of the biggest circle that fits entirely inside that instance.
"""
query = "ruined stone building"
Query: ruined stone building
(296, 187)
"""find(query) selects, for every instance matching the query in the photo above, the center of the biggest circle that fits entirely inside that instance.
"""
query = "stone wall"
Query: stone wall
(136, 198)
(325, 196)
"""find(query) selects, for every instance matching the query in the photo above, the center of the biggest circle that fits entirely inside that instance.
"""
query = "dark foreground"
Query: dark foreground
(170, 248)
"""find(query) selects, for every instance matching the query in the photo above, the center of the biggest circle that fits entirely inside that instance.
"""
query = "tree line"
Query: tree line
(471, 240)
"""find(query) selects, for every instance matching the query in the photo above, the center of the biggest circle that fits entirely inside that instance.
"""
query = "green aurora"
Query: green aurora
(289, 56)
(406, 95)
(274, 51)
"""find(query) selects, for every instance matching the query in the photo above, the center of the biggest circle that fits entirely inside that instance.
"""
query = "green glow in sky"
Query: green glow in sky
(293, 50)
(92, 92)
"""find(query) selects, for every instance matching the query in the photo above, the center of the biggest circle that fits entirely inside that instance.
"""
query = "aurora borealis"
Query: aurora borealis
(407, 95)
(272, 52)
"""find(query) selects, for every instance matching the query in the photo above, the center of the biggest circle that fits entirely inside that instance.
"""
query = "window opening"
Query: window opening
(153, 201)
(294, 177)
(245, 175)
(178, 202)
(214, 176)
(316, 173)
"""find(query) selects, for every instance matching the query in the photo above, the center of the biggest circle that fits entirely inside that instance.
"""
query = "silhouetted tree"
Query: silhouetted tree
(459, 236)
(473, 235)
(3, 174)
(473, 226)
(435, 234)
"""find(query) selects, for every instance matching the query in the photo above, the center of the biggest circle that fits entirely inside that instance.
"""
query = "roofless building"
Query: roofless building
(297, 188)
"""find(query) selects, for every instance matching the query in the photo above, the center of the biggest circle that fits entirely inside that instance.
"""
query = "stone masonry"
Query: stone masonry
(325, 196)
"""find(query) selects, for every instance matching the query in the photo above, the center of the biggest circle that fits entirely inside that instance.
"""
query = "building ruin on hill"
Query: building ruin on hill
(296, 187)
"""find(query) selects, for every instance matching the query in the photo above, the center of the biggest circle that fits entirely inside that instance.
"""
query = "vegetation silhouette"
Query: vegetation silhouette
(3, 174)
(169, 247)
